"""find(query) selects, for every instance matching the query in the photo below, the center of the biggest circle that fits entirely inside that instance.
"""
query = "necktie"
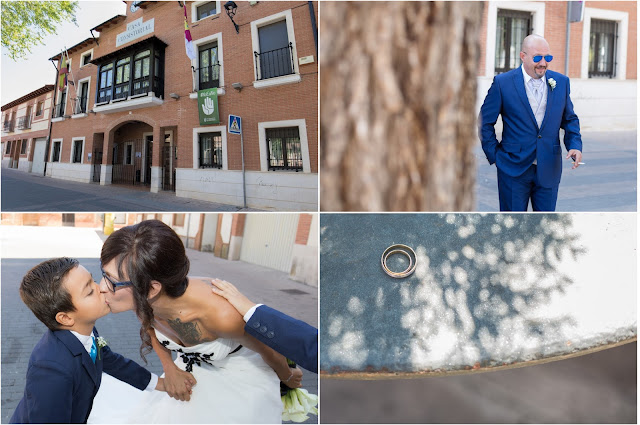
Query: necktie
(94, 350)
(536, 86)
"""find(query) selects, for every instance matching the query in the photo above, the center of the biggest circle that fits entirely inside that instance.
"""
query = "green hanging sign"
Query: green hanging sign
(208, 106)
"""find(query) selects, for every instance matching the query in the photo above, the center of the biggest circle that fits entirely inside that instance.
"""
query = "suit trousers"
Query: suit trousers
(515, 192)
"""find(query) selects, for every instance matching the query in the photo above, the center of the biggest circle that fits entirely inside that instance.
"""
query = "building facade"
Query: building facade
(601, 60)
(131, 116)
(25, 128)
(288, 242)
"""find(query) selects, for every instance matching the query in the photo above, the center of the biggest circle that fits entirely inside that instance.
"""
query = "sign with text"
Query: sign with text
(208, 106)
(135, 29)
(235, 124)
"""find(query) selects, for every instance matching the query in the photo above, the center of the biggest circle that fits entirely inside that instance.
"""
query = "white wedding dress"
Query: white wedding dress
(233, 387)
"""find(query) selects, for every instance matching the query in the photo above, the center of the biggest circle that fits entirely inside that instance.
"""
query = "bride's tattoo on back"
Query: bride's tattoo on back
(188, 332)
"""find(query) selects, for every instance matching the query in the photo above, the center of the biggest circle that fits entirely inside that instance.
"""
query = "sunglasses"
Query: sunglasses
(112, 284)
(538, 58)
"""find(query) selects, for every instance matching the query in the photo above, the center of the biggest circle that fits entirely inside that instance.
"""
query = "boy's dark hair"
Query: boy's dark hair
(43, 292)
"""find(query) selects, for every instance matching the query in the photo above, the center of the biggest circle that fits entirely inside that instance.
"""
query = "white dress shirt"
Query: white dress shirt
(537, 109)
(250, 312)
(87, 342)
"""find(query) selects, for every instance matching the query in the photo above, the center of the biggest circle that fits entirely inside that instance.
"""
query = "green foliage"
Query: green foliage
(26, 24)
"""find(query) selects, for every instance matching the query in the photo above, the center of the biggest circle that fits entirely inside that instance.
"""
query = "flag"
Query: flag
(62, 81)
(188, 43)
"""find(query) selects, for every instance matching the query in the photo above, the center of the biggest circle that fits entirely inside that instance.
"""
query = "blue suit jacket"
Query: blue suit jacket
(62, 380)
(290, 337)
(522, 140)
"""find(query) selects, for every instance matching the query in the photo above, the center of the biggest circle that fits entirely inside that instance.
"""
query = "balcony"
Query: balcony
(134, 94)
(24, 123)
(275, 67)
(80, 106)
(58, 110)
(8, 126)
(208, 76)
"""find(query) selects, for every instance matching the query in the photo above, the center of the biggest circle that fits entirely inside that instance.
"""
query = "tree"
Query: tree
(397, 108)
(25, 24)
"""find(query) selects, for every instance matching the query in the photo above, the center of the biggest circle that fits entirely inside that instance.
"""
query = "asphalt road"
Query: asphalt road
(23, 191)
(607, 181)
(596, 388)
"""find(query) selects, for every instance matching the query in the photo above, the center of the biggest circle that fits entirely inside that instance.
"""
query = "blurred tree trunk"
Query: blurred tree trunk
(397, 108)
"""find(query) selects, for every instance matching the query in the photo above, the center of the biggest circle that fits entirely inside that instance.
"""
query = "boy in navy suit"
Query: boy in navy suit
(65, 367)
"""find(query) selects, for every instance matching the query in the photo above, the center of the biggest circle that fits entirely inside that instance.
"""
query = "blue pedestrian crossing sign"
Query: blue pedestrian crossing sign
(235, 124)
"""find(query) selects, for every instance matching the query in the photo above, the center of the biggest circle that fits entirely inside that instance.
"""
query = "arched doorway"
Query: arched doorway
(132, 154)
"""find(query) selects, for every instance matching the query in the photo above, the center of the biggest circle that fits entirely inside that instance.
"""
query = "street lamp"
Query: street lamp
(231, 8)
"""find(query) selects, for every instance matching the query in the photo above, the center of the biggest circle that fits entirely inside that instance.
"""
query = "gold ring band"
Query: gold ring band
(399, 249)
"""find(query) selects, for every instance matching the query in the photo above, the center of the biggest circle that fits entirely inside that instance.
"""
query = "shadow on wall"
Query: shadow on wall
(472, 301)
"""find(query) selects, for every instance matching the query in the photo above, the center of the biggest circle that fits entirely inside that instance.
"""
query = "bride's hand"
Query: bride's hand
(295, 380)
(231, 293)
(178, 383)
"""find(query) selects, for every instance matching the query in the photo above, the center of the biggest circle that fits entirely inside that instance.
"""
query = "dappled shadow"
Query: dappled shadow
(474, 300)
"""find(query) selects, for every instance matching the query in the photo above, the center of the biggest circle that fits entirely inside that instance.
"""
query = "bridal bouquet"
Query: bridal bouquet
(297, 403)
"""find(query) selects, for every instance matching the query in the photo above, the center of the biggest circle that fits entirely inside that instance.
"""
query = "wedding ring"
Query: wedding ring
(399, 249)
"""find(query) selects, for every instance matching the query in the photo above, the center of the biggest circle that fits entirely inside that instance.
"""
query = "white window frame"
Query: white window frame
(80, 82)
(194, 10)
(73, 145)
(85, 53)
(196, 45)
(222, 129)
(53, 142)
(537, 10)
(304, 142)
(622, 18)
(255, 47)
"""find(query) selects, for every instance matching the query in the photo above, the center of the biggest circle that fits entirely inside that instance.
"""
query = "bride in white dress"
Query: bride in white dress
(145, 269)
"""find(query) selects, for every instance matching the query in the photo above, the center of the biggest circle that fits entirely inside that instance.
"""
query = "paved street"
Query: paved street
(21, 330)
(23, 191)
(607, 181)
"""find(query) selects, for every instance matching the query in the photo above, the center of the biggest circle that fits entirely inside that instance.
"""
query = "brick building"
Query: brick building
(602, 60)
(25, 128)
(132, 115)
(287, 241)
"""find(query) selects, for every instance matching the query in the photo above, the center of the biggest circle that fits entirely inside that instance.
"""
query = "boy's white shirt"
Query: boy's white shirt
(87, 343)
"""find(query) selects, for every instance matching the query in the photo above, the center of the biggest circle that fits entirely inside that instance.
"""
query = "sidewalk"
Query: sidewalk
(121, 330)
(23, 191)
(607, 181)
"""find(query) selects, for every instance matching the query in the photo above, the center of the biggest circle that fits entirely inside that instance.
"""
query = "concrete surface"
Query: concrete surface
(596, 388)
(21, 330)
(489, 289)
(607, 181)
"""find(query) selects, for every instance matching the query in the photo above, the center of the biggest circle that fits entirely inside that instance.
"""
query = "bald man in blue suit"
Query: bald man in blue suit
(290, 337)
(535, 104)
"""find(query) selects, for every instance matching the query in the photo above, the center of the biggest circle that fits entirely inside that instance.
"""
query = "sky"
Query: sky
(23, 77)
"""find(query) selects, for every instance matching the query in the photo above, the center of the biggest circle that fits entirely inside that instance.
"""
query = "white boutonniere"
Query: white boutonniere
(552, 83)
(100, 342)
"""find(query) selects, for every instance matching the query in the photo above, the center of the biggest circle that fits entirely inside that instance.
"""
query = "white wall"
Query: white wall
(64, 171)
(24, 165)
(288, 191)
(601, 105)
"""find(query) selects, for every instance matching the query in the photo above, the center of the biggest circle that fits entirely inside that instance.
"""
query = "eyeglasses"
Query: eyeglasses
(538, 58)
(112, 284)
